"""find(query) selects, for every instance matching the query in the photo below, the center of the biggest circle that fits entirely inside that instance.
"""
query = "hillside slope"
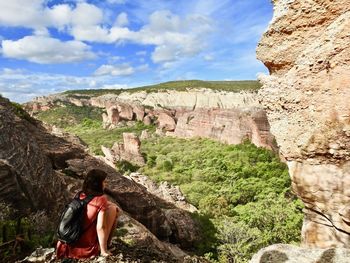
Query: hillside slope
(40, 172)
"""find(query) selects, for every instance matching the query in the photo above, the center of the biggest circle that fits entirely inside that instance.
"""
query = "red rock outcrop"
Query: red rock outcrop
(307, 98)
(125, 111)
(139, 111)
(129, 151)
(166, 122)
(230, 126)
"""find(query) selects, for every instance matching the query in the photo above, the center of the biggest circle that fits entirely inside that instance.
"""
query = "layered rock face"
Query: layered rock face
(199, 98)
(307, 98)
(191, 99)
(229, 126)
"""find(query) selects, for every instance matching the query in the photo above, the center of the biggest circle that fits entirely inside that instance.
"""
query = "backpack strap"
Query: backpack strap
(86, 200)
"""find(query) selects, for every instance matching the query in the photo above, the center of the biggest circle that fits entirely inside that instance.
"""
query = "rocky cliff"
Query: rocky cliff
(40, 172)
(194, 98)
(230, 117)
(230, 126)
(307, 98)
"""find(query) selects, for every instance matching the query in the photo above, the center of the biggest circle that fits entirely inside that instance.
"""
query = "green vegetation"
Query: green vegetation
(86, 122)
(20, 236)
(244, 190)
(70, 115)
(92, 133)
(234, 86)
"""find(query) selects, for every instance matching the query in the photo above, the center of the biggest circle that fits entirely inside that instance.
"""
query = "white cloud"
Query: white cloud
(115, 86)
(208, 57)
(42, 32)
(91, 34)
(21, 86)
(35, 14)
(46, 50)
(116, 1)
(143, 68)
(122, 20)
(59, 15)
(21, 13)
(174, 37)
(86, 15)
(141, 53)
(115, 70)
(115, 58)
(165, 53)
(9, 71)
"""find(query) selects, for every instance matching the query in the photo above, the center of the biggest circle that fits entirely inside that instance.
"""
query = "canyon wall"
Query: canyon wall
(190, 99)
(229, 117)
(307, 99)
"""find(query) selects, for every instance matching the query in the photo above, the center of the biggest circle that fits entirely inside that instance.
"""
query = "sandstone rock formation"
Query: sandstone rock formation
(129, 151)
(307, 98)
(166, 122)
(147, 120)
(290, 254)
(40, 171)
(116, 113)
(190, 99)
(139, 112)
(165, 107)
(229, 126)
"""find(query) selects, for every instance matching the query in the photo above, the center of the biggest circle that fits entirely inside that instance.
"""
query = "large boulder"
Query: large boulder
(139, 111)
(166, 122)
(113, 117)
(147, 120)
(307, 95)
(125, 111)
(117, 112)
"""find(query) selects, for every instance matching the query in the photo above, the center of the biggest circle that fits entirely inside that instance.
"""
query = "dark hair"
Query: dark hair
(93, 183)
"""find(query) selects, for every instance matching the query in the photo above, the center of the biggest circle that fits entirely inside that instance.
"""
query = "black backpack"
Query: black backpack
(71, 220)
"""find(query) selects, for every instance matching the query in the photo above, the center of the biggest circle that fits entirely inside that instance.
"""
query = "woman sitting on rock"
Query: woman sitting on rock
(98, 222)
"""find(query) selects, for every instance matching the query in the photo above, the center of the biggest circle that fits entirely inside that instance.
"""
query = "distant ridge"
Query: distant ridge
(181, 85)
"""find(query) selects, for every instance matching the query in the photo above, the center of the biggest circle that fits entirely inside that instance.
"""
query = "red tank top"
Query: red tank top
(87, 246)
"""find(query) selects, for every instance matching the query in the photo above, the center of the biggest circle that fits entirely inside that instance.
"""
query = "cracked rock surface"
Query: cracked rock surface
(307, 98)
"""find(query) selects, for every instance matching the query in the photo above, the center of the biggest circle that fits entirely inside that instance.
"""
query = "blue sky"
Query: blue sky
(48, 46)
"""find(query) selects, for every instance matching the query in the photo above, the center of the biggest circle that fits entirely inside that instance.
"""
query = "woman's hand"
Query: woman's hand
(105, 253)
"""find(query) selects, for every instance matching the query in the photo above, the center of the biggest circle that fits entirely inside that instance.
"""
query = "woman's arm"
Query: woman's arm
(102, 235)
